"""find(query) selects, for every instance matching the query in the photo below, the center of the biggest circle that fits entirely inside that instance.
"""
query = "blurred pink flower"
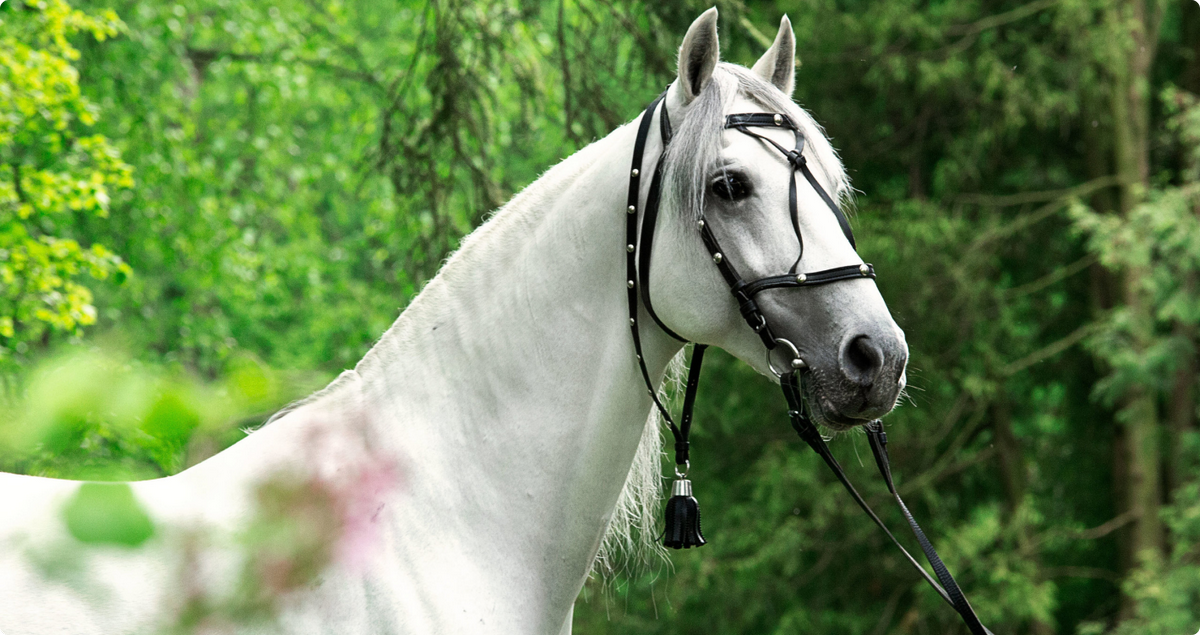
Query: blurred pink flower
(361, 499)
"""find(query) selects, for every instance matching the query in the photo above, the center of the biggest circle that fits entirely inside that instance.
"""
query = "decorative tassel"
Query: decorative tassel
(683, 518)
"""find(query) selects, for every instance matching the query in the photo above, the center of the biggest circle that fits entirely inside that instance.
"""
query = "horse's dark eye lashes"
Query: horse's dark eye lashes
(730, 187)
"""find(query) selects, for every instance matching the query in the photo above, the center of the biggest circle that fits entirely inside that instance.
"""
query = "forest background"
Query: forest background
(217, 205)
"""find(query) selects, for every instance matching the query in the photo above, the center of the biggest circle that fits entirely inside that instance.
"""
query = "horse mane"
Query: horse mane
(335, 388)
(631, 541)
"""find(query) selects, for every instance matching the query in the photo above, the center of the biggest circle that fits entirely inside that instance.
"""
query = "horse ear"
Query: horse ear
(698, 55)
(778, 64)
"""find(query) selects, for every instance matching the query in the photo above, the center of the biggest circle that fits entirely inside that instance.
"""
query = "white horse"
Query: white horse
(506, 399)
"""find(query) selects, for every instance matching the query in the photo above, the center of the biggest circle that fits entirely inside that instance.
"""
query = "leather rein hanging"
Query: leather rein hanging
(638, 248)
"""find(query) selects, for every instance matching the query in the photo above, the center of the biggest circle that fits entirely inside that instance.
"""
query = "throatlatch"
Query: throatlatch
(683, 511)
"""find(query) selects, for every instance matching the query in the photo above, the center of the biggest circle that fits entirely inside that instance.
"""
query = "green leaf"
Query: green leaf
(107, 514)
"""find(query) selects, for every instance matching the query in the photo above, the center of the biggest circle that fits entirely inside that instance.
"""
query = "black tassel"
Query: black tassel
(683, 518)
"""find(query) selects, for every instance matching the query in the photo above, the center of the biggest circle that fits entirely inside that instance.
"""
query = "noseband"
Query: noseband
(683, 514)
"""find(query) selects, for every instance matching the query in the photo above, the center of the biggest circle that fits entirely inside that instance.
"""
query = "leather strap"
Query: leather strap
(798, 161)
(836, 274)
(645, 246)
(635, 179)
(948, 587)
(743, 291)
(689, 403)
(638, 250)
(760, 120)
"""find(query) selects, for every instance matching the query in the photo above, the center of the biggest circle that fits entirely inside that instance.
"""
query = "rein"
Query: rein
(683, 512)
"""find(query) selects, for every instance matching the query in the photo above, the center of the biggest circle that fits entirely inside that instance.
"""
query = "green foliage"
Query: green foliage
(305, 167)
(98, 415)
(52, 171)
(1167, 590)
(107, 514)
(1161, 237)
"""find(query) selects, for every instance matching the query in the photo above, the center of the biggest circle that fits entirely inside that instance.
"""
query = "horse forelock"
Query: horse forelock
(697, 140)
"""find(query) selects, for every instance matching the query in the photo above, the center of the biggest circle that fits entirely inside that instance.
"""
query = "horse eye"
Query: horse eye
(730, 187)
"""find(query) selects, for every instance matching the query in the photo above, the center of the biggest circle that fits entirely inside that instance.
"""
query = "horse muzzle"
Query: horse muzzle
(860, 381)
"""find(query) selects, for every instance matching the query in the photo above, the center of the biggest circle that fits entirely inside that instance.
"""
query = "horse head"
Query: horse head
(769, 192)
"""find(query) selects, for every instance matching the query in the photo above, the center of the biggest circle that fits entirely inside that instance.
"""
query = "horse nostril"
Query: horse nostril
(862, 359)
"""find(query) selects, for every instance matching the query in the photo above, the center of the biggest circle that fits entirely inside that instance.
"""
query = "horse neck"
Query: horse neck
(510, 388)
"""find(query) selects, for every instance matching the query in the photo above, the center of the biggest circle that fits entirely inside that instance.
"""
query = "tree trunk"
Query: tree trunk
(1014, 476)
(1189, 78)
(1008, 456)
(1138, 20)
(1181, 407)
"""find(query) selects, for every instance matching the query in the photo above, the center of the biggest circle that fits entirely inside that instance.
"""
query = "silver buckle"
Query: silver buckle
(796, 363)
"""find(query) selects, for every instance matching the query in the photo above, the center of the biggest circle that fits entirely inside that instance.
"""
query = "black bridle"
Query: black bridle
(637, 281)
